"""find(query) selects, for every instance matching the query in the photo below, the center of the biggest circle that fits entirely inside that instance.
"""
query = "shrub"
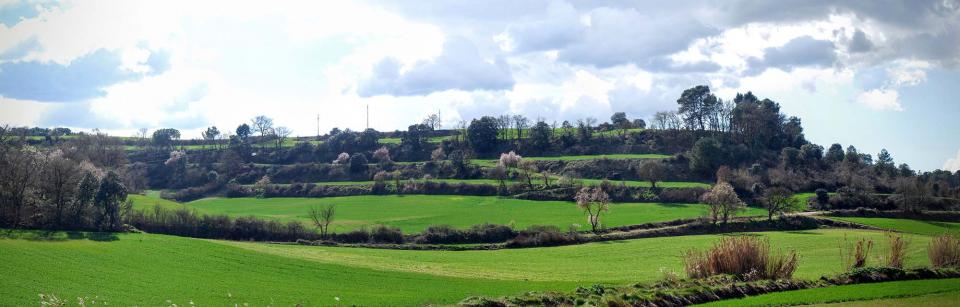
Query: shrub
(746, 257)
(944, 251)
(543, 236)
(898, 250)
(385, 234)
(855, 255)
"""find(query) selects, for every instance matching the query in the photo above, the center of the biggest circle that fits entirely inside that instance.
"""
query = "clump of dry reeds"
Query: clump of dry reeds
(856, 254)
(898, 250)
(944, 251)
(743, 256)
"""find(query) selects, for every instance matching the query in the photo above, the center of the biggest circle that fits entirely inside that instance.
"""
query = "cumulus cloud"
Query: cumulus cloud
(952, 164)
(615, 37)
(804, 51)
(83, 78)
(559, 27)
(881, 99)
(459, 67)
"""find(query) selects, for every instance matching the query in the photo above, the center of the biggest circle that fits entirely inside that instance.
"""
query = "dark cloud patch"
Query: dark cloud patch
(901, 13)
(459, 67)
(84, 78)
(617, 37)
(859, 43)
(559, 27)
(799, 52)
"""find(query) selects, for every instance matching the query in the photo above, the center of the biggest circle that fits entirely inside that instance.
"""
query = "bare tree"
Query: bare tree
(652, 171)
(432, 121)
(262, 124)
(282, 133)
(779, 200)
(142, 135)
(520, 122)
(594, 201)
(322, 217)
(504, 122)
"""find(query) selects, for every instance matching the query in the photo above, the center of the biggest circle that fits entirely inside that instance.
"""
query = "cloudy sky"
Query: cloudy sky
(876, 74)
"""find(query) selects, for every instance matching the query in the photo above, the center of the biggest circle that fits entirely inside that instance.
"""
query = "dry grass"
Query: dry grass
(854, 255)
(944, 251)
(898, 250)
(747, 257)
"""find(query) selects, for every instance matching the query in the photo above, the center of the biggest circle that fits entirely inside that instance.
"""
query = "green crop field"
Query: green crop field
(936, 289)
(932, 228)
(145, 269)
(591, 182)
(491, 163)
(414, 213)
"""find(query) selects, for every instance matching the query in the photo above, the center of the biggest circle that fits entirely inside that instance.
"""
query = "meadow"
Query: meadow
(931, 228)
(936, 292)
(147, 269)
(414, 213)
(590, 182)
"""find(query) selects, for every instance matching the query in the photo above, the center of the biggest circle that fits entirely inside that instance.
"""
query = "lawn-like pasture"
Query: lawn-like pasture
(917, 292)
(492, 163)
(414, 213)
(147, 270)
(931, 228)
(607, 262)
(591, 182)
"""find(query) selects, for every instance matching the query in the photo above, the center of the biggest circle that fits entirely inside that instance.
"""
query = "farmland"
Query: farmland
(490, 163)
(940, 292)
(417, 212)
(147, 269)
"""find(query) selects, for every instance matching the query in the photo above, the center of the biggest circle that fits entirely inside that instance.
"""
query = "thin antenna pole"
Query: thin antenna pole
(368, 116)
(439, 120)
(318, 125)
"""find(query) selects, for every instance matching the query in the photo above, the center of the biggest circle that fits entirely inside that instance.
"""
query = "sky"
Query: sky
(875, 74)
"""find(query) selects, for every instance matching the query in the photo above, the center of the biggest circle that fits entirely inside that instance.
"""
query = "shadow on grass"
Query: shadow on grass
(804, 232)
(948, 227)
(55, 236)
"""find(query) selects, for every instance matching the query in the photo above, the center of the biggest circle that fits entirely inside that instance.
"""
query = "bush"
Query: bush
(898, 250)
(944, 251)
(746, 257)
(482, 233)
(384, 234)
(543, 236)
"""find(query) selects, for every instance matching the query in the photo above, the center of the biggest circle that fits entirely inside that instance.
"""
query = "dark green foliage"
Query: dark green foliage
(706, 156)
(358, 163)
(165, 137)
(108, 200)
(540, 136)
(697, 106)
(482, 134)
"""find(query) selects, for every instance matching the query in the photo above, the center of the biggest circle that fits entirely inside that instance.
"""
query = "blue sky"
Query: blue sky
(874, 74)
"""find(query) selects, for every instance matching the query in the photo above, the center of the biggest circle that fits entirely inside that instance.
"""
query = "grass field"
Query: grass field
(931, 228)
(630, 183)
(491, 163)
(414, 213)
(147, 270)
(904, 293)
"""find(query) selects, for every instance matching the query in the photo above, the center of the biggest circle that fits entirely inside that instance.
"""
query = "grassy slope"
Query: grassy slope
(631, 183)
(149, 269)
(904, 225)
(417, 212)
(945, 299)
(860, 292)
(610, 262)
(491, 163)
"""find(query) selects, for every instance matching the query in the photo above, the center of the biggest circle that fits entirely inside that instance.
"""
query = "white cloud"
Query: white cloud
(881, 99)
(952, 164)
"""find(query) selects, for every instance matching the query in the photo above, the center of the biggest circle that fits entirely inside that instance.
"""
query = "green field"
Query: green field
(591, 182)
(931, 228)
(396, 141)
(492, 163)
(414, 213)
(930, 290)
(144, 269)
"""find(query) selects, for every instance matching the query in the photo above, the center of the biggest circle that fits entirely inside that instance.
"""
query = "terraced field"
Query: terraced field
(938, 292)
(491, 163)
(931, 228)
(414, 213)
(148, 270)
(591, 182)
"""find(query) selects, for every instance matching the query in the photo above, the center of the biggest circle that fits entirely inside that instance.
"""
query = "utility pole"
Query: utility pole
(368, 116)
(439, 120)
(318, 126)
